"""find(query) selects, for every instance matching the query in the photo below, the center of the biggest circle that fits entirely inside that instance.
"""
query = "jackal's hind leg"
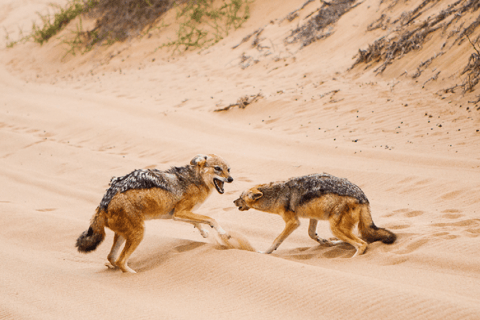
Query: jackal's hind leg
(312, 232)
(342, 228)
(132, 242)
(118, 240)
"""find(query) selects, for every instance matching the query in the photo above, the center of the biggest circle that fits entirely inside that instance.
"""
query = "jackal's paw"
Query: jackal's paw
(110, 265)
(127, 269)
(335, 241)
(267, 251)
(322, 241)
(224, 235)
(203, 232)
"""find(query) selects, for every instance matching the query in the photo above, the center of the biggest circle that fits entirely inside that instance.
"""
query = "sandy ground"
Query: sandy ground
(67, 126)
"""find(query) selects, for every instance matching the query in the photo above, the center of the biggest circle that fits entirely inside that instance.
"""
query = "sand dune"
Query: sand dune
(67, 126)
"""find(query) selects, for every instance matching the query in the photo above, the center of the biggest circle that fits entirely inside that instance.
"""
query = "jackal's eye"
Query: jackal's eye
(217, 168)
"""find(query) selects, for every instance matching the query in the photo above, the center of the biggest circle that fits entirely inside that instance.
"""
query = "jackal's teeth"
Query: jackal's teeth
(218, 185)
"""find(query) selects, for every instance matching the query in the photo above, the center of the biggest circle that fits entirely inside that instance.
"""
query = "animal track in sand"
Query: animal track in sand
(445, 235)
(406, 212)
(394, 213)
(413, 246)
(401, 226)
(244, 179)
(452, 214)
(412, 214)
(339, 251)
(472, 232)
(451, 195)
(469, 227)
(451, 210)
(462, 223)
(188, 247)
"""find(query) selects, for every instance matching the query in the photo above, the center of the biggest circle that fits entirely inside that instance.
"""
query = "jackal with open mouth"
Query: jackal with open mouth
(153, 194)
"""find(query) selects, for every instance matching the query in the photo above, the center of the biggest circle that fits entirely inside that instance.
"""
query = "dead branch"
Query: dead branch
(242, 102)
(434, 78)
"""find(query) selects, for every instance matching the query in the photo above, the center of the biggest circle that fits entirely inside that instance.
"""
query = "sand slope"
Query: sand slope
(67, 127)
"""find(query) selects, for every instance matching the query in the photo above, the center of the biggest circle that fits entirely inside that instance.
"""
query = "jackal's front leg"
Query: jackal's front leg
(290, 225)
(203, 232)
(195, 219)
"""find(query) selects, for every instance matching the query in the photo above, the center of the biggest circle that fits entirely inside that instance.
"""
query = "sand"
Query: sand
(68, 125)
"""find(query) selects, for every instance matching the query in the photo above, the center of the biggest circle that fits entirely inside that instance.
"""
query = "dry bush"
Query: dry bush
(119, 20)
(412, 37)
(327, 15)
(387, 50)
(472, 70)
(200, 21)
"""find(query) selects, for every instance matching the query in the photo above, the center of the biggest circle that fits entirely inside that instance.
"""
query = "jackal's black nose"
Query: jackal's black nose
(230, 179)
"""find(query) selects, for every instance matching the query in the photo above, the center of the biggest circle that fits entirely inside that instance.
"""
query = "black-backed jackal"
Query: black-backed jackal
(317, 197)
(154, 194)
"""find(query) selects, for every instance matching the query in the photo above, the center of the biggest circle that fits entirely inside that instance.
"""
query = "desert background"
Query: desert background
(381, 92)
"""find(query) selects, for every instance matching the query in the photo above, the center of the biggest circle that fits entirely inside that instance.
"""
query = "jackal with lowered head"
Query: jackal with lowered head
(318, 197)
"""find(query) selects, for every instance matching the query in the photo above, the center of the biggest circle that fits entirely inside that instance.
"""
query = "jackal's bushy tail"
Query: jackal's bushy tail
(370, 232)
(89, 240)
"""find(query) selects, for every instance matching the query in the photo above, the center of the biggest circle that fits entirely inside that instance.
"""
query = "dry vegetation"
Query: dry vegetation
(119, 20)
(242, 102)
(200, 22)
(315, 28)
(413, 31)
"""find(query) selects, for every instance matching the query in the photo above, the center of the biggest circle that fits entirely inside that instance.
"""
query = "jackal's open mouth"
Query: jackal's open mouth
(218, 185)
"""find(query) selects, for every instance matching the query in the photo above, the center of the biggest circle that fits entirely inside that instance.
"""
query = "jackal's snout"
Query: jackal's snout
(241, 204)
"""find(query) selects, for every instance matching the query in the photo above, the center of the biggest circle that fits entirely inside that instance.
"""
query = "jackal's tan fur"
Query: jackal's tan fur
(178, 191)
(317, 197)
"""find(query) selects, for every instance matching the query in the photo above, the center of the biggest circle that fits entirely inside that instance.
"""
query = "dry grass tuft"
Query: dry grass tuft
(315, 27)
(120, 20)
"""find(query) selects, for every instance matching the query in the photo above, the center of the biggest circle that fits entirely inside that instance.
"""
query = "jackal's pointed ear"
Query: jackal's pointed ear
(256, 194)
(199, 160)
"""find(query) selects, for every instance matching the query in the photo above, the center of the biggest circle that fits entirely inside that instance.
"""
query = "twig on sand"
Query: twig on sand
(246, 38)
(333, 92)
(432, 78)
(472, 44)
(242, 102)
